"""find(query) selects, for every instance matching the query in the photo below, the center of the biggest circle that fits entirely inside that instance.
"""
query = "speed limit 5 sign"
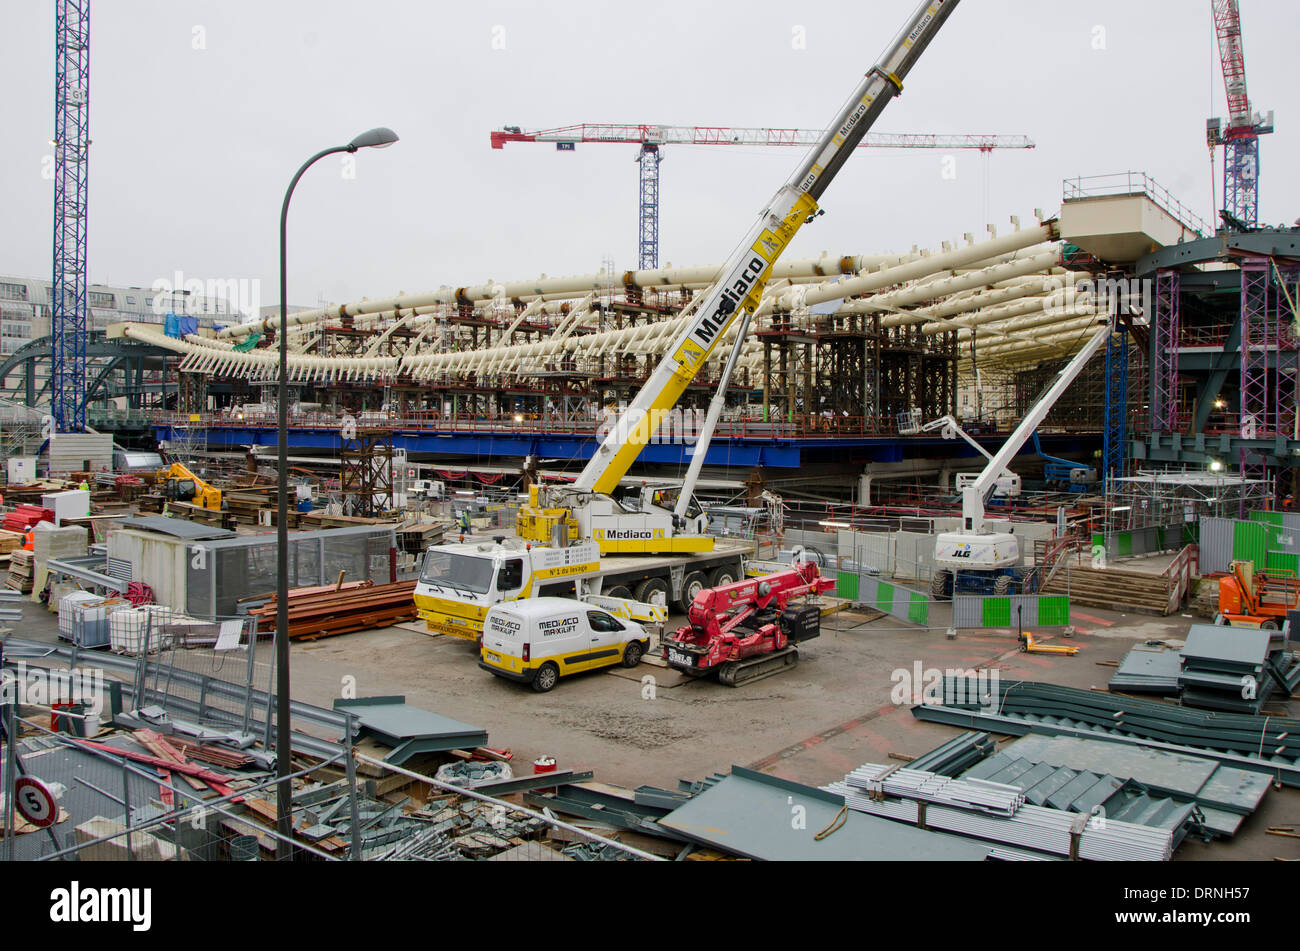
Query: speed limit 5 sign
(35, 803)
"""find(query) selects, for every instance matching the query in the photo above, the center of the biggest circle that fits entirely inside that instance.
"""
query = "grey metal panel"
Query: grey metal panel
(913, 555)
(750, 814)
(1024, 609)
(1216, 545)
(872, 549)
(176, 527)
(967, 610)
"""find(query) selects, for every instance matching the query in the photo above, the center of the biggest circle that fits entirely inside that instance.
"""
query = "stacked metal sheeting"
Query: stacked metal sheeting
(1148, 668)
(957, 755)
(994, 798)
(1264, 744)
(875, 790)
(1223, 795)
(1226, 668)
(1089, 793)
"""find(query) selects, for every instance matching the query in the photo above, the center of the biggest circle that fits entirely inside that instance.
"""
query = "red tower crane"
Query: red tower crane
(1240, 137)
(652, 137)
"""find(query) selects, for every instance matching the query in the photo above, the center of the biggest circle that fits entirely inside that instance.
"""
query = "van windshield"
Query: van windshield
(457, 570)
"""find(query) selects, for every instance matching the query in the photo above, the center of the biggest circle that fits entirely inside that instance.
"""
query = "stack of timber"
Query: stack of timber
(21, 563)
(320, 519)
(9, 543)
(325, 611)
(197, 513)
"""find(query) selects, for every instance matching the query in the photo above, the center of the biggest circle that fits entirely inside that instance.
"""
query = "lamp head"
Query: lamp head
(377, 138)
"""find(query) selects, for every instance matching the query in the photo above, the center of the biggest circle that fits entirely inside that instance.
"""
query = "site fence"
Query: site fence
(133, 810)
(1269, 540)
(1146, 541)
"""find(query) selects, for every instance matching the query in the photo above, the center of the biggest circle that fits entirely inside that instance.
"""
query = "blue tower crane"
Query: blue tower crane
(69, 301)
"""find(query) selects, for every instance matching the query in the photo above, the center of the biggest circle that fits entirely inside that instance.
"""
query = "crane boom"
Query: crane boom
(743, 278)
(977, 493)
(644, 133)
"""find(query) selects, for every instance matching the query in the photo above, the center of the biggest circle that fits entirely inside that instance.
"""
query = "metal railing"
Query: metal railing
(1134, 183)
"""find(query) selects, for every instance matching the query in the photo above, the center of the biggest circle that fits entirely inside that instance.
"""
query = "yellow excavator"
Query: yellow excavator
(179, 484)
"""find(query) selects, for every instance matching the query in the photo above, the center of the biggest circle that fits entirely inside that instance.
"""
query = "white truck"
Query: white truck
(458, 583)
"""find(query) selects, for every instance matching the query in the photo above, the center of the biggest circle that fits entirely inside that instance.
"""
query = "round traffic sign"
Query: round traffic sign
(35, 802)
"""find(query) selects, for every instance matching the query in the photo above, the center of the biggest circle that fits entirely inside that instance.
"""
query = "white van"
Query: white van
(539, 640)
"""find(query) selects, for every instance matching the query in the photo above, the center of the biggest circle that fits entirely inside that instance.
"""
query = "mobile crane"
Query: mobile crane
(586, 508)
(649, 547)
(180, 484)
(977, 559)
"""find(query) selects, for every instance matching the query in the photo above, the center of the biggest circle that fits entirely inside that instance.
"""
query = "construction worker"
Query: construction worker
(464, 522)
(29, 540)
(85, 486)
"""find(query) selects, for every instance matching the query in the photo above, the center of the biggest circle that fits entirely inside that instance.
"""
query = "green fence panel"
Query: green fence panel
(1053, 611)
(1124, 543)
(1280, 561)
(846, 585)
(997, 612)
(918, 610)
(1249, 543)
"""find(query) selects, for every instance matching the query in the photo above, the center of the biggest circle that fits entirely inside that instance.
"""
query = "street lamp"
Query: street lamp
(374, 139)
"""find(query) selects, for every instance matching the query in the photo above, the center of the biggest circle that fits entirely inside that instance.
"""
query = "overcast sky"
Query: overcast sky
(201, 110)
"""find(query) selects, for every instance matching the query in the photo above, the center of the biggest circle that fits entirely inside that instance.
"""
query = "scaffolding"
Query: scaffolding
(366, 474)
(1150, 497)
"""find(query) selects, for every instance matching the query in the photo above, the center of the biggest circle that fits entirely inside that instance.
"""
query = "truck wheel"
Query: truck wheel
(548, 675)
(692, 584)
(1268, 625)
(939, 585)
(619, 591)
(724, 575)
(653, 591)
(1003, 585)
(632, 653)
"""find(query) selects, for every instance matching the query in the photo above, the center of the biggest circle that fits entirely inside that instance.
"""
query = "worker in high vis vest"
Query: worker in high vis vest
(29, 540)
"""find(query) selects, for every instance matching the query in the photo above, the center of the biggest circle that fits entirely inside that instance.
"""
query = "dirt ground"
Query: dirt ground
(833, 712)
(830, 714)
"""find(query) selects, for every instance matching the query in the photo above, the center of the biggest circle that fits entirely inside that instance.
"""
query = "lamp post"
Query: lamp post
(375, 139)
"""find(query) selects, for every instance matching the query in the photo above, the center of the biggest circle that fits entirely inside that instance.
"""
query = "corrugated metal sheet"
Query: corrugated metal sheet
(69, 452)
(1216, 545)
(772, 819)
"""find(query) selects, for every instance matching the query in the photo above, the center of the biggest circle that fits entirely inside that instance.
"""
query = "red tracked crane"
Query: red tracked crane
(651, 137)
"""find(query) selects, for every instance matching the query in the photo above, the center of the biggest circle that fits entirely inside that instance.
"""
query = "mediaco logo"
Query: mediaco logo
(84, 686)
(76, 904)
(925, 685)
(194, 297)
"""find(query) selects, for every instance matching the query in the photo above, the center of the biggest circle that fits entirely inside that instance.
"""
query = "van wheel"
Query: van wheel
(548, 675)
(619, 591)
(632, 653)
(653, 591)
(692, 584)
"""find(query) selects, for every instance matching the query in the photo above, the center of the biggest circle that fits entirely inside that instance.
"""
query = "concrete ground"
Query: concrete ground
(831, 713)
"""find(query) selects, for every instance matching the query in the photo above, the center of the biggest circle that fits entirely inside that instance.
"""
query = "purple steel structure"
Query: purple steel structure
(1164, 364)
(1257, 421)
(1287, 391)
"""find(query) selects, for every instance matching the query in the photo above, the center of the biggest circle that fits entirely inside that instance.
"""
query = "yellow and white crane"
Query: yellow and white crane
(586, 508)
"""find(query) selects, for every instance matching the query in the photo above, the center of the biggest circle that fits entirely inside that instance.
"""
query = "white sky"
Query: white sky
(192, 148)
